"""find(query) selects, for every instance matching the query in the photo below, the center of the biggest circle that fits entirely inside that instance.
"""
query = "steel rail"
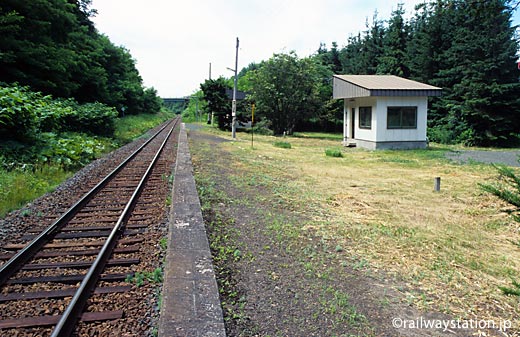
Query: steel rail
(68, 320)
(11, 266)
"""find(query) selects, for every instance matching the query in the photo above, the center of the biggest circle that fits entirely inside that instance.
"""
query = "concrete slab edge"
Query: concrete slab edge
(190, 300)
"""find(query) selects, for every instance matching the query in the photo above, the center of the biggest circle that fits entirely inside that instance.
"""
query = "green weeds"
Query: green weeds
(225, 248)
(140, 278)
(17, 187)
(513, 291)
(283, 145)
(337, 153)
(133, 126)
(337, 303)
(163, 243)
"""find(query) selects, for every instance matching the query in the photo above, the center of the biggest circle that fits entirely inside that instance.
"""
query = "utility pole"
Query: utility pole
(234, 103)
(210, 114)
(252, 123)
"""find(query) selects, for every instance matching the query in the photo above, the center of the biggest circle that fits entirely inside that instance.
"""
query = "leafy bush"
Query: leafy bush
(71, 150)
(94, 118)
(23, 114)
(52, 114)
(18, 119)
(262, 127)
(452, 134)
(18, 155)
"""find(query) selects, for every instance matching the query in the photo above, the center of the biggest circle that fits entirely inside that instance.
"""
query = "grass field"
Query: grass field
(454, 248)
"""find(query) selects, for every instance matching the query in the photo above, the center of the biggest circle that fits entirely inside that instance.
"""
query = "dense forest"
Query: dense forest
(63, 85)
(52, 47)
(64, 89)
(467, 47)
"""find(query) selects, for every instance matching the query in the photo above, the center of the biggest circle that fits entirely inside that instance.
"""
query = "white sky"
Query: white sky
(174, 41)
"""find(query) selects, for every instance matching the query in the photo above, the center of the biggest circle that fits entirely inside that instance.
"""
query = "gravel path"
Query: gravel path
(509, 157)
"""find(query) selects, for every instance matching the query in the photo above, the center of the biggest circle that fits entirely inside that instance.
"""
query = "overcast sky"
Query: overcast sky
(174, 41)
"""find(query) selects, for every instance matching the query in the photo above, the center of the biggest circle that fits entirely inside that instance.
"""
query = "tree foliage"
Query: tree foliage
(392, 60)
(285, 89)
(53, 47)
(217, 101)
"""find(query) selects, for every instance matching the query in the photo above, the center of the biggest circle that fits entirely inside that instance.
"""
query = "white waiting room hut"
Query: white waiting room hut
(383, 111)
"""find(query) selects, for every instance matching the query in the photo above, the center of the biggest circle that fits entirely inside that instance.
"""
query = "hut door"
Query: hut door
(352, 123)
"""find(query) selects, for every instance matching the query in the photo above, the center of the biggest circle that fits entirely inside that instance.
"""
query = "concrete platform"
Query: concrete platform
(190, 299)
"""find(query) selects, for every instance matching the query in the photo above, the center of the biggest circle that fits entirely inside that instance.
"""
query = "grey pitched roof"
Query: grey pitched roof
(351, 86)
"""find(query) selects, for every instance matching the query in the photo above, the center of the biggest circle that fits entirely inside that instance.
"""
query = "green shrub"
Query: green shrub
(262, 127)
(16, 154)
(333, 153)
(24, 114)
(18, 118)
(283, 145)
(71, 150)
(93, 118)
(52, 114)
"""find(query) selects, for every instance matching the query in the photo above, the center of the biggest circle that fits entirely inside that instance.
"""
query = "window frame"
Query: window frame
(401, 111)
(363, 110)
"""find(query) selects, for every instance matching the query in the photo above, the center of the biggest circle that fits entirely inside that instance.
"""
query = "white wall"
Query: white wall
(356, 103)
(379, 131)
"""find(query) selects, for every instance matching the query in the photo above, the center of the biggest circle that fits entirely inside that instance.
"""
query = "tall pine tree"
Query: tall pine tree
(393, 60)
(480, 77)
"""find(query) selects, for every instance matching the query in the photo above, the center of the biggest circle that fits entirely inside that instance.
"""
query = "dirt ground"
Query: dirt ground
(276, 284)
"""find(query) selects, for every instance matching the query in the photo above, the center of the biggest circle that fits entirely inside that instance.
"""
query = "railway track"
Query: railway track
(64, 280)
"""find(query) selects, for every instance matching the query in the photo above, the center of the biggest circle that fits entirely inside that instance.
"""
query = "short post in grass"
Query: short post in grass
(437, 184)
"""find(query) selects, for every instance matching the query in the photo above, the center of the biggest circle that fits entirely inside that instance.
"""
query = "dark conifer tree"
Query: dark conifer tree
(393, 58)
(479, 74)
(373, 47)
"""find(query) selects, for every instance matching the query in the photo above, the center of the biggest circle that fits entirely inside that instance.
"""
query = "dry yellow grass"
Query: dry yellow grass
(453, 245)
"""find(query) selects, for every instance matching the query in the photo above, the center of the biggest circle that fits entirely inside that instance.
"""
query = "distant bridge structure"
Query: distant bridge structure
(176, 104)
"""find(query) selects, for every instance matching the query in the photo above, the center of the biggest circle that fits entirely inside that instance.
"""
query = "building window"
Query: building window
(402, 117)
(365, 117)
